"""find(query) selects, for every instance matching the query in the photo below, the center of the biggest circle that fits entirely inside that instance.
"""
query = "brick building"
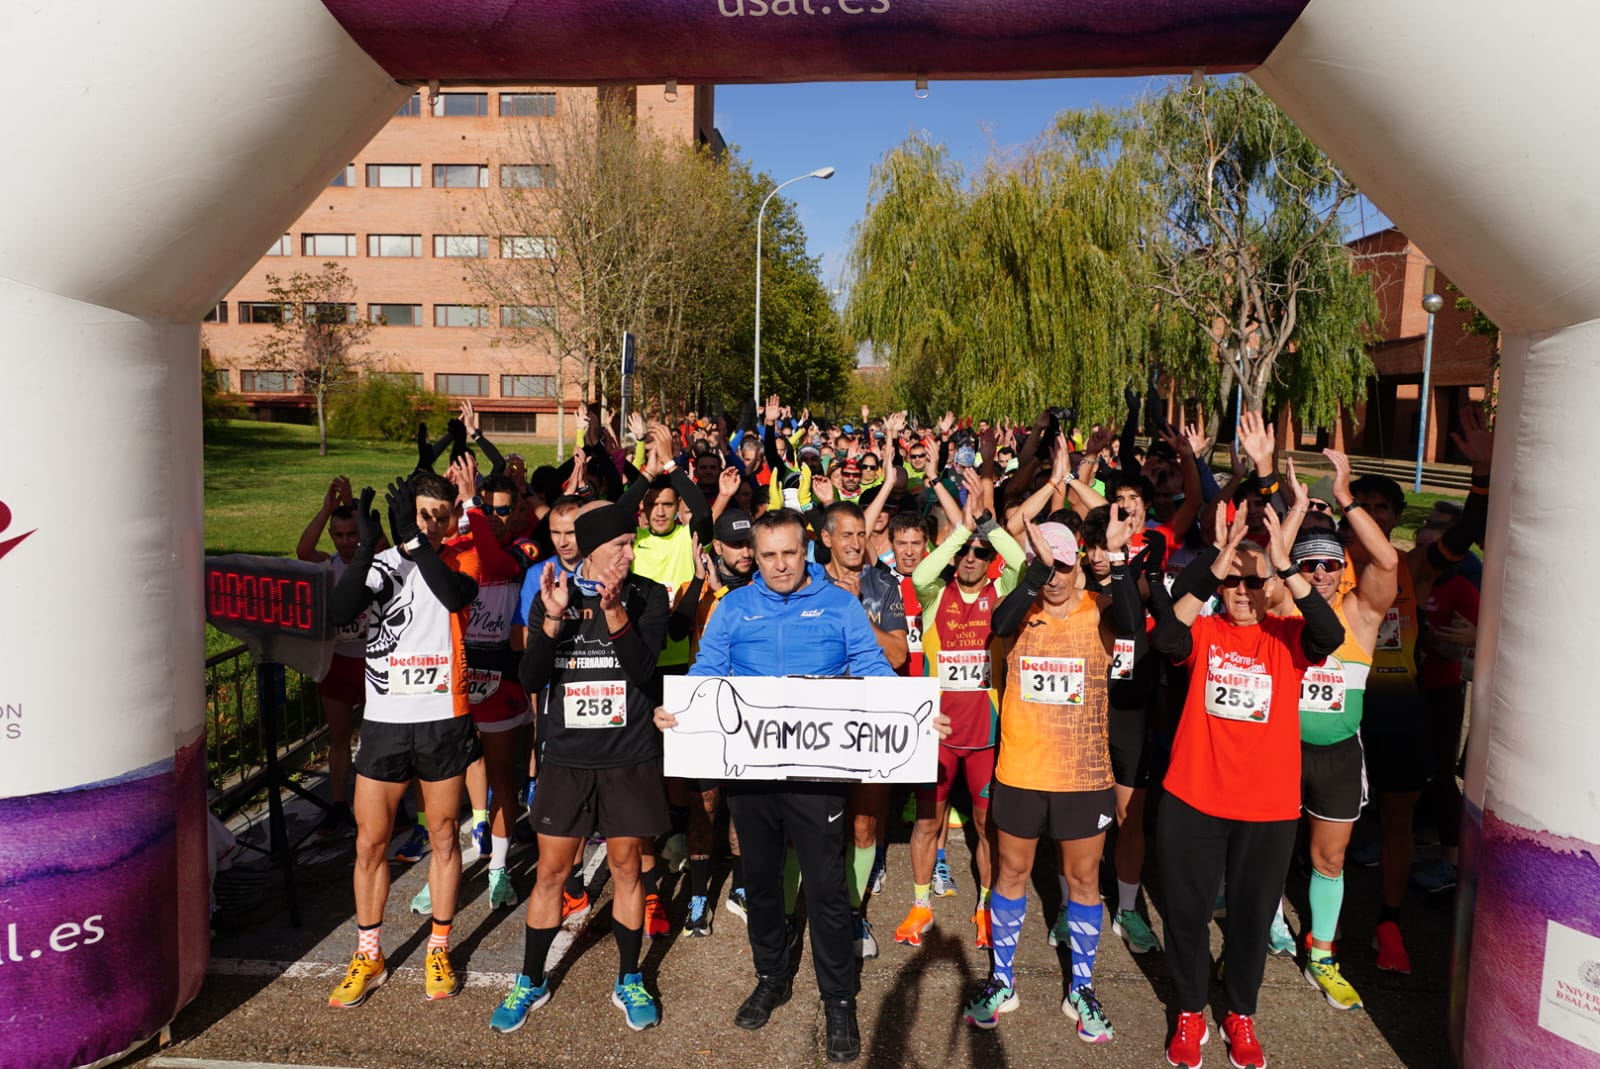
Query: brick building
(402, 218)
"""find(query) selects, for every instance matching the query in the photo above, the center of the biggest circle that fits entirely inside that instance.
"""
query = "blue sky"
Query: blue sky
(787, 130)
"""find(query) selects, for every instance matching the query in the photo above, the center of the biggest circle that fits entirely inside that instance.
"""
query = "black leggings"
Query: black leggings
(1195, 852)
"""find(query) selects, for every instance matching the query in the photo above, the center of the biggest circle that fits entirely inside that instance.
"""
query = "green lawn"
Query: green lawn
(264, 481)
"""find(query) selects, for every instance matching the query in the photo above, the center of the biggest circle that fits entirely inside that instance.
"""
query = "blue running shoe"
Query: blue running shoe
(521, 1000)
(414, 846)
(944, 883)
(697, 925)
(641, 1006)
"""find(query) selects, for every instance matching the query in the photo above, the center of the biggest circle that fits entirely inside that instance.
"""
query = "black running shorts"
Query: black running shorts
(1058, 815)
(432, 751)
(1333, 780)
(626, 802)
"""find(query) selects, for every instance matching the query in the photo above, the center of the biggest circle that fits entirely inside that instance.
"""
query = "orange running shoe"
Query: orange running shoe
(911, 930)
(981, 919)
(570, 905)
(655, 917)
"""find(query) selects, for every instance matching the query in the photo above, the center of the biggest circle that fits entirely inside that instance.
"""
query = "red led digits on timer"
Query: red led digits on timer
(285, 603)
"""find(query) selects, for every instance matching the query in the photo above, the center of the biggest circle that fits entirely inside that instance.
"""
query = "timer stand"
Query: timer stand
(279, 608)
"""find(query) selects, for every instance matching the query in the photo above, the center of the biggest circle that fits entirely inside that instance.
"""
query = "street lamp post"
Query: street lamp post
(1431, 303)
(821, 172)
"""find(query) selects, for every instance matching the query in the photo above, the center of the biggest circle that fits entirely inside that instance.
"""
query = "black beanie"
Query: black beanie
(596, 527)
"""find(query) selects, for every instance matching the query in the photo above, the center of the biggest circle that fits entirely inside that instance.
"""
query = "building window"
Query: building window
(330, 314)
(281, 247)
(527, 248)
(461, 246)
(460, 176)
(395, 315)
(462, 385)
(532, 105)
(526, 315)
(221, 379)
(328, 244)
(394, 244)
(460, 105)
(218, 313)
(460, 315)
(527, 175)
(267, 382)
(260, 312)
(411, 108)
(394, 175)
(410, 379)
(509, 422)
(345, 179)
(527, 385)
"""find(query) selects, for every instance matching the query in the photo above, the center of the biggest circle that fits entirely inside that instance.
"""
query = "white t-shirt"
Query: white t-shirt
(410, 647)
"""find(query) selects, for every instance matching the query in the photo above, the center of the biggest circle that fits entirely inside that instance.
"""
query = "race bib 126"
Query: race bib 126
(964, 670)
(411, 674)
(602, 704)
(1052, 680)
(1233, 694)
(1122, 659)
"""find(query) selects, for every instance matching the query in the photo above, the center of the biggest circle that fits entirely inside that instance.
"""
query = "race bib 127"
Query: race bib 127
(411, 674)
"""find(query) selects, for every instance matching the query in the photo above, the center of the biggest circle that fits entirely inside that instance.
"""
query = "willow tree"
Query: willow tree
(1002, 294)
(1249, 247)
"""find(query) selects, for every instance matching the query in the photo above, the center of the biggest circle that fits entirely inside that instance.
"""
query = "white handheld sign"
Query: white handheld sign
(764, 727)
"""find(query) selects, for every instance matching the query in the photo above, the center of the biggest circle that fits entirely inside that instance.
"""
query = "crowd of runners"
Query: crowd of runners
(1124, 637)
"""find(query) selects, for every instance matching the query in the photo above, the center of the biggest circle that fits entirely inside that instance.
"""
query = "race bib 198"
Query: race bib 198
(964, 670)
(1322, 689)
(411, 674)
(1122, 659)
(1052, 680)
(595, 705)
(1233, 694)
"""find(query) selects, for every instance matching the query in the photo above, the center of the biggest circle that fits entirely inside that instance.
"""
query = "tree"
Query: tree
(1018, 289)
(1248, 246)
(315, 335)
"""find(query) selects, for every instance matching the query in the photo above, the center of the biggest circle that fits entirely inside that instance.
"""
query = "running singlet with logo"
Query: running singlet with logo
(1053, 730)
(1394, 658)
(416, 651)
(1236, 753)
(913, 608)
(880, 597)
(955, 648)
(491, 663)
(1333, 693)
(351, 639)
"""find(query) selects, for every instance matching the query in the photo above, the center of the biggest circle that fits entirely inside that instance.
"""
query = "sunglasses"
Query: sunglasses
(869, 467)
(1251, 582)
(1319, 506)
(501, 510)
(1326, 564)
(919, 456)
(977, 549)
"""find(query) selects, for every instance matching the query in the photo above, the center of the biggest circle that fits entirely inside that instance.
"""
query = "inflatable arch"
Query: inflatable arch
(157, 147)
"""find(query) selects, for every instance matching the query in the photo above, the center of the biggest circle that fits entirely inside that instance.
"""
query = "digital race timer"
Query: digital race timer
(260, 597)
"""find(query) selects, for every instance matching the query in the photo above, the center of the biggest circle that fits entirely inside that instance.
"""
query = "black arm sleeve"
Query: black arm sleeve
(1008, 615)
(769, 443)
(539, 657)
(1190, 581)
(439, 445)
(1458, 538)
(1127, 608)
(497, 463)
(747, 417)
(1172, 638)
(350, 594)
(454, 590)
(1323, 632)
(1125, 444)
(689, 493)
(681, 624)
(633, 496)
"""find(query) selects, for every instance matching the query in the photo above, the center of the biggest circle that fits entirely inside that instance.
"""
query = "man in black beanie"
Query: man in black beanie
(595, 647)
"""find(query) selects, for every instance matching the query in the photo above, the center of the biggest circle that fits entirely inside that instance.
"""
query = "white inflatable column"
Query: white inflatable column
(1458, 120)
(161, 147)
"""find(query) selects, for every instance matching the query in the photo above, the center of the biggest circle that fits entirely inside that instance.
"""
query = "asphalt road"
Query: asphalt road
(265, 1002)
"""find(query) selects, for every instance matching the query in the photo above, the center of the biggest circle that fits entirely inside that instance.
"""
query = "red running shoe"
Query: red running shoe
(1188, 1036)
(570, 905)
(1391, 948)
(1244, 1050)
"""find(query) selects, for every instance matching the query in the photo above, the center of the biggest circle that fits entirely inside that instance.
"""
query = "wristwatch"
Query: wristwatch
(1284, 573)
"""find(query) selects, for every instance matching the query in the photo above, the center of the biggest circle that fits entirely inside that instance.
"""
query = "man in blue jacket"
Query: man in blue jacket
(792, 621)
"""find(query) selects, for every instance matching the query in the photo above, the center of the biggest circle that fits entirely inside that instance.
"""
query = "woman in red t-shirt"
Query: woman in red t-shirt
(1233, 783)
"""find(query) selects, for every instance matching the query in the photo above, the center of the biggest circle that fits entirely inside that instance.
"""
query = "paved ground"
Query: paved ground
(265, 1001)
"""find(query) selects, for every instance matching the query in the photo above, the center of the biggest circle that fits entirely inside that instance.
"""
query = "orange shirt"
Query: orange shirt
(1236, 753)
(1053, 734)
